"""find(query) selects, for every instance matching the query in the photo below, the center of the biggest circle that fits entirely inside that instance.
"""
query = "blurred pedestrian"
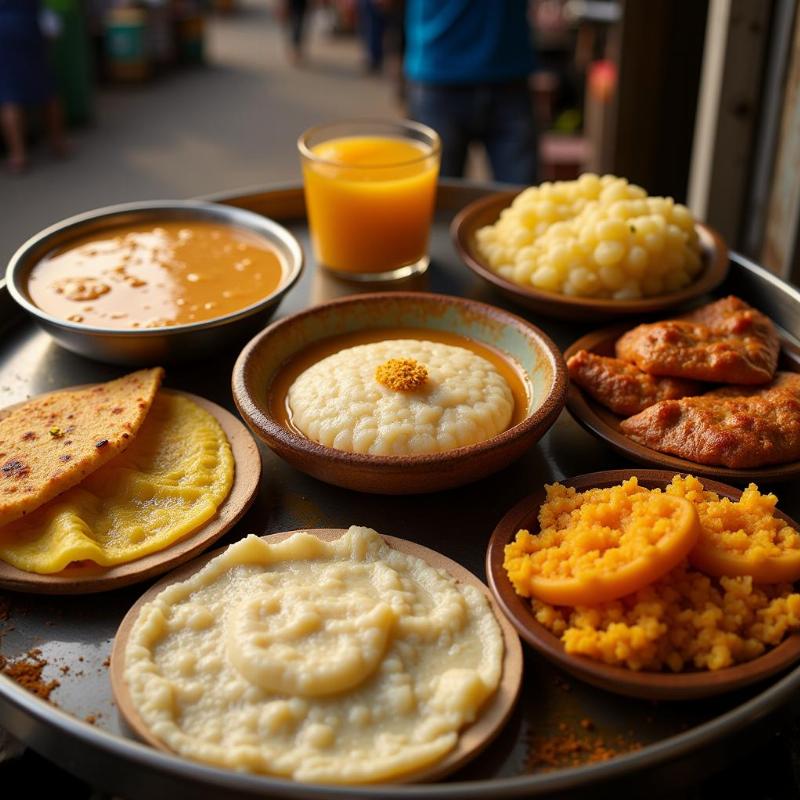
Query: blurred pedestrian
(25, 80)
(372, 24)
(295, 13)
(467, 64)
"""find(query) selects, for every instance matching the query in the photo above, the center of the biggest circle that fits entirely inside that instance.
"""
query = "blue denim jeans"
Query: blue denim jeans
(499, 115)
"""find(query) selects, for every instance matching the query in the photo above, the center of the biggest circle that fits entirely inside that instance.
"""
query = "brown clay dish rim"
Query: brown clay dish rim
(95, 578)
(650, 685)
(596, 419)
(472, 740)
(486, 210)
(257, 413)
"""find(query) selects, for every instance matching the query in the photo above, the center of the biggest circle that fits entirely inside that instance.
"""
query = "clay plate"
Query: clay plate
(532, 351)
(486, 210)
(604, 424)
(649, 685)
(472, 739)
(94, 578)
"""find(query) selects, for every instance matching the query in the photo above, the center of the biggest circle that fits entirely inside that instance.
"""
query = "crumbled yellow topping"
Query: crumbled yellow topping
(56, 432)
(589, 533)
(402, 374)
(686, 619)
(747, 528)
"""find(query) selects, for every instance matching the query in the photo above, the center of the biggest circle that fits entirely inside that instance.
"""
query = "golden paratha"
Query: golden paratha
(168, 483)
(51, 443)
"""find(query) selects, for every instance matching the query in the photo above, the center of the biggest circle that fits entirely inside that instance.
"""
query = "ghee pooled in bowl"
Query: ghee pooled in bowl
(339, 662)
(400, 397)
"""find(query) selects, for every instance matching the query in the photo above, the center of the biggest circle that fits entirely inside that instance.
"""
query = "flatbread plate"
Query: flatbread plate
(88, 578)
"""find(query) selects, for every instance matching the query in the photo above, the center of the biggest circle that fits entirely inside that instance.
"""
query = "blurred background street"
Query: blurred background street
(228, 124)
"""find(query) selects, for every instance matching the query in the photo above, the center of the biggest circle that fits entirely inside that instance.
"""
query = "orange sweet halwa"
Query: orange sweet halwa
(600, 544)
(688, 619)
(743, 537)
(684, 620)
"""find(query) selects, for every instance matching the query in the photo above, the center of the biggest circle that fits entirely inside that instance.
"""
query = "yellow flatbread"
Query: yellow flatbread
(171, 480)
(53, 442)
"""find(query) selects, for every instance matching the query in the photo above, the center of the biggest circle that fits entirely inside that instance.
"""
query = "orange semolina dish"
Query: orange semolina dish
(685, 620)
(743, 537)
(724, 604)
(600, 544)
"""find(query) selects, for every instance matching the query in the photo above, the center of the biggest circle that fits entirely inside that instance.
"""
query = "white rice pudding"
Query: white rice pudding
(340, 662)
(339, 402)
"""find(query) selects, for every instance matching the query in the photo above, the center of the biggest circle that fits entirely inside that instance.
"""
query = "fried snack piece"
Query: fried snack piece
(737, 427)
(51, 443)
(724, 342)
(624, 388)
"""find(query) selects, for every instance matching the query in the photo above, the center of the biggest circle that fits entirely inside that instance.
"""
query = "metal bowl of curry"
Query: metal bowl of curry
(155, 282)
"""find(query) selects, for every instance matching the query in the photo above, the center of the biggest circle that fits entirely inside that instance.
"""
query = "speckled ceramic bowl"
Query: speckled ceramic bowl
(534, 353)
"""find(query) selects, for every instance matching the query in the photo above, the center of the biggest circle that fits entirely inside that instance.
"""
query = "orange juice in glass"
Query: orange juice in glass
(370, 189)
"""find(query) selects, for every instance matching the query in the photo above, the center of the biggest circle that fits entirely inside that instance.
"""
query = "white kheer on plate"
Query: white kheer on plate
(337, 662)
(400, 397)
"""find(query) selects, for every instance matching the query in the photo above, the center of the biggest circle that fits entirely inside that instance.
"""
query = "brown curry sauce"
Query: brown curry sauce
(154, 275)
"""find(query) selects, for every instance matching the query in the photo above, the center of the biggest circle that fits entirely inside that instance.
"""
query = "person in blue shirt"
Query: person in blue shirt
(467, 65)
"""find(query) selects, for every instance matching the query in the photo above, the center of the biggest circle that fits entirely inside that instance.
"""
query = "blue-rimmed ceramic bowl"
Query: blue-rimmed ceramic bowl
(528, 349)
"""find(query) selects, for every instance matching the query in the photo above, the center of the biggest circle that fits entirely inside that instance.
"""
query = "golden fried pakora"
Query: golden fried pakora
(624, 388)
(723, 342)
(737, 427)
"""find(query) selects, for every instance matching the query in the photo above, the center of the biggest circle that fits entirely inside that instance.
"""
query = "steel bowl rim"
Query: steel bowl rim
(18, 266)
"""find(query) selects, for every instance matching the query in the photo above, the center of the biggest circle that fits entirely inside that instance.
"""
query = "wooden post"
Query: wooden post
(780, 251)
(660, 55)
(736, 43)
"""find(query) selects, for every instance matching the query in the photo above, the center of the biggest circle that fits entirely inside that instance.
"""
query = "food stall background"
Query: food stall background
(172, 98)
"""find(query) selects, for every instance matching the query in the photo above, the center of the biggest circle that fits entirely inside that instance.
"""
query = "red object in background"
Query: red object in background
(602, 80)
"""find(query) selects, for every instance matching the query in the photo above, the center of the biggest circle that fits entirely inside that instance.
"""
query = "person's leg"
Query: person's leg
(448, 111)
(12, 122)
(510, 134)
(297, 17)
(54, 120)
(372, 24)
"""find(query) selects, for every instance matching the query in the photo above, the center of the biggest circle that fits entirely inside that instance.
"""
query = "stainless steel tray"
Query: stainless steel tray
(679, 742)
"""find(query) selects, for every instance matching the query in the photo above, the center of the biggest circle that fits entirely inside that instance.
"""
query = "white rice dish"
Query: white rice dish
(338, 402)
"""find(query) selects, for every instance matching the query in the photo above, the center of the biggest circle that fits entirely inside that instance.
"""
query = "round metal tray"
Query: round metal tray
(678, 743)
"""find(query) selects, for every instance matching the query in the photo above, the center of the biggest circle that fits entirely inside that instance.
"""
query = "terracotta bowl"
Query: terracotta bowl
(486, 211)
(650, 685)
(604, 424)
(534, 353)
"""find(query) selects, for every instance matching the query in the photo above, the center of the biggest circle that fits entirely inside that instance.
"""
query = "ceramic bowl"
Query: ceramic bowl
(651, 685)
(168, 344)
(486, 210)
(532, 350)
